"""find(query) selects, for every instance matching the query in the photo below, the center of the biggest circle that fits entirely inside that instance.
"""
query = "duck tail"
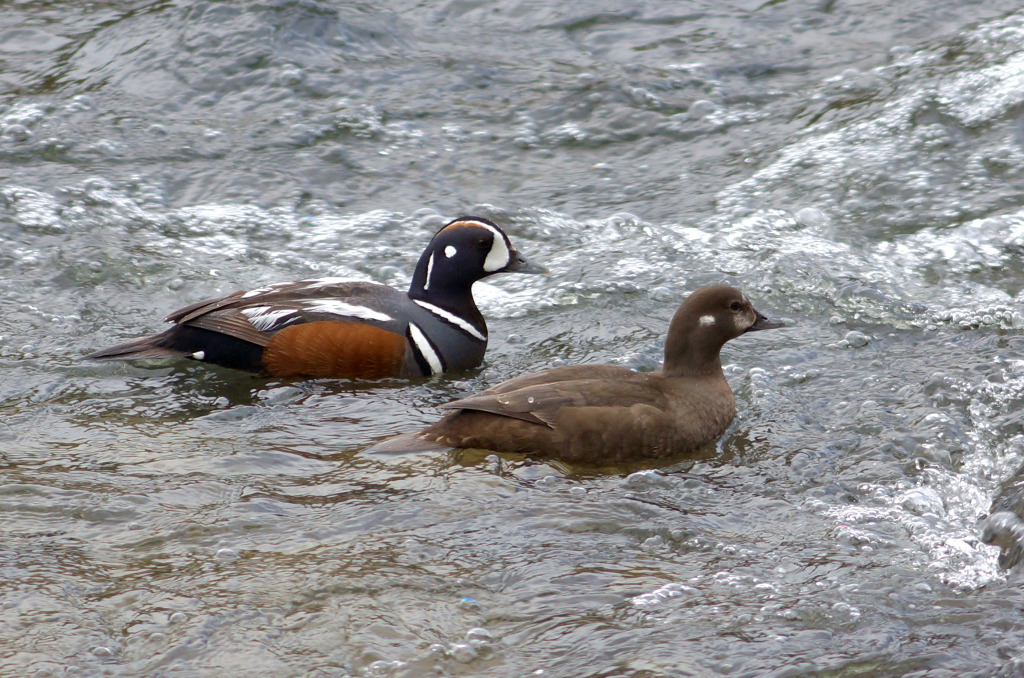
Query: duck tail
(405, 443)
(146, 348)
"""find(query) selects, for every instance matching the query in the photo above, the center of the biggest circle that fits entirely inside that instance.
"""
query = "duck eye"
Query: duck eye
(735, 305)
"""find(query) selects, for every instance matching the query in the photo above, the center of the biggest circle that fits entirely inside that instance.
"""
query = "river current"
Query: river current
(856, 167)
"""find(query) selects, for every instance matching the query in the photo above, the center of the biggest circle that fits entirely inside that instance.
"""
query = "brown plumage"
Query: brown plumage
(324, 349)
(605, 413)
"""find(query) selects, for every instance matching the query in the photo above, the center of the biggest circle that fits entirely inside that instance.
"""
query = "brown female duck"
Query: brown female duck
(606, 413)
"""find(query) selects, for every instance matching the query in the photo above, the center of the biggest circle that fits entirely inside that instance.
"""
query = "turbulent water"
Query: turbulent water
(857, 168)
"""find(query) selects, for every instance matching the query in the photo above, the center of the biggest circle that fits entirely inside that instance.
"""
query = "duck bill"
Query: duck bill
(521, 264)
(764, 323)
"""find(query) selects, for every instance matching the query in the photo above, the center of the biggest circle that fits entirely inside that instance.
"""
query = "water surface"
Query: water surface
(856, 167)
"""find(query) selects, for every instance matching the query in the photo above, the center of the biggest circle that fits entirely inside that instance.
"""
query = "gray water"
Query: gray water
(857, 168)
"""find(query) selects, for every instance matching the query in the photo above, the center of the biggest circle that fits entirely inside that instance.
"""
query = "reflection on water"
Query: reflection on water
(853, 167)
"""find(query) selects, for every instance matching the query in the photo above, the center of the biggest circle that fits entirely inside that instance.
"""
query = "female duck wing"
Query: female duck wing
(541, 403)
(566, 373)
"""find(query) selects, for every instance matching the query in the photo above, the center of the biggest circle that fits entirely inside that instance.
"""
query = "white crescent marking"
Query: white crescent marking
(422, 344)
(498, 258)
(430, 269)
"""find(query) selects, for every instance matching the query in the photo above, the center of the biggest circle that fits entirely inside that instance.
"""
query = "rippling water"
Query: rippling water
(855, 167)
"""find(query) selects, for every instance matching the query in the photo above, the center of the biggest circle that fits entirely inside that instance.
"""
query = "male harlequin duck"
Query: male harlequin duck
(606, 413)
(329, 327)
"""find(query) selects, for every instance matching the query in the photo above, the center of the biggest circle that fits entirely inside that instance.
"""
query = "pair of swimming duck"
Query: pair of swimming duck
(329, 327)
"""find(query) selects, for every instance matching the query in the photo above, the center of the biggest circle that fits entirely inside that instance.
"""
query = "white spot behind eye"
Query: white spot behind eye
(450, 251)
(199, 355)
(707, 320)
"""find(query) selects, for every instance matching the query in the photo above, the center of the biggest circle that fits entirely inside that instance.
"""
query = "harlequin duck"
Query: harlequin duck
(330, 327)
(606, 413)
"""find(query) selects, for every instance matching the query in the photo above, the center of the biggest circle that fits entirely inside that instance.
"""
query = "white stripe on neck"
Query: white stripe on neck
(453, 319)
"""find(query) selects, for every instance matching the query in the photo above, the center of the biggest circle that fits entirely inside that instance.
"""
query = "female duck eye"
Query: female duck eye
(735, 305)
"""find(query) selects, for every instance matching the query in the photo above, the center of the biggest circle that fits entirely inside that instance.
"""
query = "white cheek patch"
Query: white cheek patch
(707, 320)
(450, 251)
(264, 318)
(335, 307)
(199, 355)
(499, 257)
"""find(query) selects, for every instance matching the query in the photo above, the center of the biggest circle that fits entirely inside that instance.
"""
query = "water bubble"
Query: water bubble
(666, 592)
(17, 133)
(662, 293)
(548, 481)
(382, 667)
(291, 76)
(702, 108)
(463, 652)
(654, 543)
(177, 617)
(645, 478)
(856, 339)
(478, 634)
(102, 651)
(811, 217)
